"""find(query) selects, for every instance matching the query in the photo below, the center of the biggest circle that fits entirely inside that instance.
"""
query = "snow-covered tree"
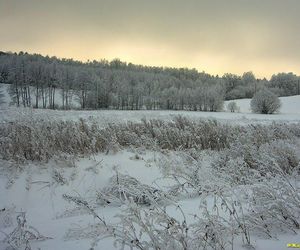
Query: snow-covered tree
(265, 102)
(1, 95)
(36, 80)
(284, 84)
(232, 107)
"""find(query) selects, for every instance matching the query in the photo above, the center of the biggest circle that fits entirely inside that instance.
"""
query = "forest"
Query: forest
(40, 81)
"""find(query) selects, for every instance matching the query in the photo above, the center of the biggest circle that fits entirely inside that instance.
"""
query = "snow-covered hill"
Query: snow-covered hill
(289, 105)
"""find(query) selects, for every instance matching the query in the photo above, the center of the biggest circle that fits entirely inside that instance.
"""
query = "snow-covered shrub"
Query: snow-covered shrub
(218, 222)
(232, 107)
(233, 170)
(183, 170)
(227, 212)
(179, 133)
(22, 235)
(280, 155)
(222, 220)
(191, 177)
(274, 204)
(40, 140)
(239, 164)
(211, 232)
(6, 216)
(139, 227)
(149, 228)
(265, 102)
(245, 163)
(259, 150)
(258, 134)
(154, 227)
(58, 177)
(124, 188)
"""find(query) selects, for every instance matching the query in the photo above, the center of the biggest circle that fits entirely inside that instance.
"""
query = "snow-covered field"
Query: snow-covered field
(289, 112)
(290, 105)
(37, 193)
(37, 188)
(114, 116)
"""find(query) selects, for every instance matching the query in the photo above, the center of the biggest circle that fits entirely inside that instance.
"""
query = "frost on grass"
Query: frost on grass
(22, 235)
(40, 141)
(6, 217)
(246, 179)
(122, 188)
(58, 177)
(143, 227)
(93, 231)
(274, 204)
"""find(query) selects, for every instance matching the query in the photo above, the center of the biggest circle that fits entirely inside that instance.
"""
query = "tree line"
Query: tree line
(50, 82)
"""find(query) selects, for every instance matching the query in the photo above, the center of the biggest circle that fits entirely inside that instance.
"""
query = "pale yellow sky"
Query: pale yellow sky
(216, 36)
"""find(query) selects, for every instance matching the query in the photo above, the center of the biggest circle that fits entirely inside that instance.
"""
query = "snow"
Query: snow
(35, 192)
(73, 100)
(103, 117)
(6, 97)
(289, 112)
(44, 205)
(290, 105)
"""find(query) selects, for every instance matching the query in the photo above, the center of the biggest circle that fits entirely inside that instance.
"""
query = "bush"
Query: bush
(124, 188)
(232, 107)
(274, 204)
(39, 140)
(265, 102)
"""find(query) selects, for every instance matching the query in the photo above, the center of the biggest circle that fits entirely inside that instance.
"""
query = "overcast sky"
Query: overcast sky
(216, 36)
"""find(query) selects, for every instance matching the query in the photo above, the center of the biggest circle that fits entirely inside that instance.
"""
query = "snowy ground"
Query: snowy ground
(35, 191)
(114, 116)
(289, 112)
(73, 101)
(290, 105)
